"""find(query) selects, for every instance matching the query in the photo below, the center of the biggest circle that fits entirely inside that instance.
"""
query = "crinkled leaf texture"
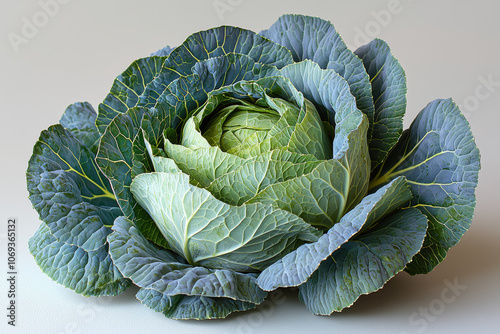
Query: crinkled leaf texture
(365, 263)
(122, 152)
(171, 286)
(75, 202)
(90, 273)
(335, 158)
(440, 160)
(388, 83)
(296, 268)
(213, 234)
(317, 40)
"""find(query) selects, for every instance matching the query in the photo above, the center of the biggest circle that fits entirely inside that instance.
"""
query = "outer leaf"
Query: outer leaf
(214, 43)
(160, 270)
(296, 267)
(79, 118)
(178, 290)
(316, 39)
(90, 273)
(70, 194)
(440, 159)
(116, 159)
(388, 82)
(213, 234)
(363, 265)
(191, 307)
(127, 88)
(74, 200)
(188, 93)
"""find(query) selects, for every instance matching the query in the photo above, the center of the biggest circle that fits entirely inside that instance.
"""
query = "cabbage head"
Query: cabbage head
(238, 163)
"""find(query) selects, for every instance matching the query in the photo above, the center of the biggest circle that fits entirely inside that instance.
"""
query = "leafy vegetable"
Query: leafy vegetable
(238, 163)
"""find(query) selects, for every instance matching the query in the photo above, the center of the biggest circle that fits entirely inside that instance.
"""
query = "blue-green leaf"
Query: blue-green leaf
(183, 307)
(90, 273)
(127, 88)
(116, 158)
(177, 289)
(388, 82)
(79, 118)
(163, 52)
(365, 263)
(440, 160)
(75, 202)
(316, 39)
(187, 93)
(162, 270)
(214, 43)
(69, 192)
(296, 267)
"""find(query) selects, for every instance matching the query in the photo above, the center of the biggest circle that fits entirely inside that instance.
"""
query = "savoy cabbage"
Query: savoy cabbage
(239, 163)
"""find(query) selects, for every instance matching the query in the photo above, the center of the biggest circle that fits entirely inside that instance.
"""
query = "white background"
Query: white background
(448, 49)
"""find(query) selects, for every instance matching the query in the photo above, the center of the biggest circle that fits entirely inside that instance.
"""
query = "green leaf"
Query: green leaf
(79, 118)
(127, 88)
(248, 179)
(176, 289)
(182, 96)
(213, 234)
(233, 179)
(161, 270)
(316, 39)
(388, 82)
(160, 163)
(182, 307)
(296, 267)
(214, 43)
(116, 158)
(187, 93)
(90, 273)
(203, 164)
(440, 160)
(364, 264)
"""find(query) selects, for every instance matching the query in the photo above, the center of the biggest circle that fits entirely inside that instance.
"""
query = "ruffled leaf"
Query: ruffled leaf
(69, 192)
(296, 267)
(388, 82)
(75, 202)
(127, 88)
(182, 307)
(213, 234)
(90, 273)
(316, 39)
(116, 159)
(335, 186)
(364, 264)
(440, 160)
(214, 43)
(167, 283)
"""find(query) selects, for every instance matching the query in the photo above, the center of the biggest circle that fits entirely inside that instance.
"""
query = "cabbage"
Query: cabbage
(239, 163)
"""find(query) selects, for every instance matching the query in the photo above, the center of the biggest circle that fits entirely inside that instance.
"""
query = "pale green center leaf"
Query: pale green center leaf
(213, 234)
